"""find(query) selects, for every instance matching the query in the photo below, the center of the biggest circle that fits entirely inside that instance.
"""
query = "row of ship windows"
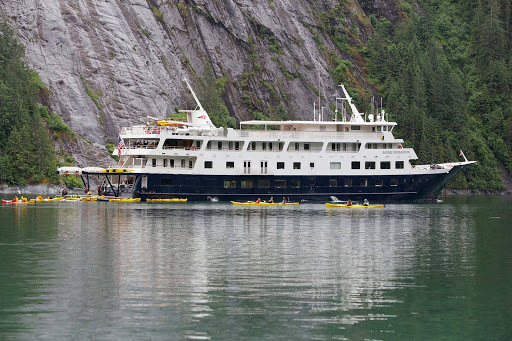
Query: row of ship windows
(253, 146)
(333, 165)
(265, 183)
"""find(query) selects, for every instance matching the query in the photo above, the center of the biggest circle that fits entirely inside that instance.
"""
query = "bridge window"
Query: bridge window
(208, 164)
(399, 165)
(230, 164)
(296, 165)
(385, 165)
(280, 165)
(369, 165)
(356, 165)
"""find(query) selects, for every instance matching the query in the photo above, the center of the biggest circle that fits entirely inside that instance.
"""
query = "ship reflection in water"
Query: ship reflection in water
(215, 271)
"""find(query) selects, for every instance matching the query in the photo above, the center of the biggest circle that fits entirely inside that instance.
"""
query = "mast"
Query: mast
(194, 95)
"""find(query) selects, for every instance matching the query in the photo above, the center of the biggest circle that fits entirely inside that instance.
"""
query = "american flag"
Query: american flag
(119, 146)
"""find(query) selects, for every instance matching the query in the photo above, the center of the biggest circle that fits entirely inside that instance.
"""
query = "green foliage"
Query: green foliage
(71, 181)
(27, 154)
(94, 95)
(446, 78)
(159, 15)
(179, 116)
(110, 148)
(55, 123)
(211, 99)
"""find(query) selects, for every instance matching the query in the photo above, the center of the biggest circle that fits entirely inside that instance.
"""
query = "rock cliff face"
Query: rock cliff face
(109, 63)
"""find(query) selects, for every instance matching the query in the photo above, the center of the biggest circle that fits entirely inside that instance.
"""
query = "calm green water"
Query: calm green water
(222, 272)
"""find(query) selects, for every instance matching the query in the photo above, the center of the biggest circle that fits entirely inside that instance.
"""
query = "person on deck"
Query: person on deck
(349, 202)
(99, 190)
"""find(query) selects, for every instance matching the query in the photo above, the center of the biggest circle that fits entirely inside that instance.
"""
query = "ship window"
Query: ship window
(356, 165)
(219, 145)
(379, 128)
(280, 183)
(246, 184)
(368, 146)
(312, 164)
(153, 162)
(264, 145)
(253, 145)
(230, 145)
(190, 164)
(379, 182)
(296, 165)
(264, 183)
(394, 182)
(399, 165)
(295, 183)
(166, 182)
(280, 165)
(297, 146)
(208, 164)
(270, 146)
(385, 165)
(363, 183)
(347, 182)
(369, 165)
(171, 163)
(356, 128)
(182, 163)
(230, 164)
(237, 145)
(373, 129)
(333, 183)
(306, 146)
(165, 162)
(229, 184)
(335, 165)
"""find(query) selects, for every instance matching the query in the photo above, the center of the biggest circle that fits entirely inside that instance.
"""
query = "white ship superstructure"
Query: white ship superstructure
(350, 157)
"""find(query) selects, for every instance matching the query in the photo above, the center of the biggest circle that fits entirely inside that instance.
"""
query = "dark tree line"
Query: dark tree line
(26, 152)
(446, 76)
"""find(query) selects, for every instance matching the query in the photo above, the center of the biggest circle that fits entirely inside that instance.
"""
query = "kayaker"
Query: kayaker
(271, 200)
(284, 201)
(366, 202)
(349, 202)
(15, 199)
(23, 199)
(39, 197)
(64, 192)
(258, 201)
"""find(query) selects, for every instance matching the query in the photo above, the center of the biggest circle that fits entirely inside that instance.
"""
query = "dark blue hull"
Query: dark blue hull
(296, 188)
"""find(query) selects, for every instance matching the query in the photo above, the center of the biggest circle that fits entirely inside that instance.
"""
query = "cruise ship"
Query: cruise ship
(350, 157)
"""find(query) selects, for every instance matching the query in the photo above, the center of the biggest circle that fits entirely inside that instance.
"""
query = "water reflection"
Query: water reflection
(224, 272)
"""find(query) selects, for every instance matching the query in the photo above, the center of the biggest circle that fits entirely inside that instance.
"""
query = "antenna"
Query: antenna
(193, 94)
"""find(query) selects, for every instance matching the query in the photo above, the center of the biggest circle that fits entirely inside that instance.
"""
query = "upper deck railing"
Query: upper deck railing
(247, 133)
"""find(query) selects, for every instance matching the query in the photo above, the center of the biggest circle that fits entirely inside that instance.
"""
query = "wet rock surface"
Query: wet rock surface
(110, 63)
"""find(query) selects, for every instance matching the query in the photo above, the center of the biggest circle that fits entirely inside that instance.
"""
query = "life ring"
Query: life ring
(193, 148)
(400, 146)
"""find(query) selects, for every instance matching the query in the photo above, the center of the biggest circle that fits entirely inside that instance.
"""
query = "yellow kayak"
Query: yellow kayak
(125, 200)
(167, 200)
(93, 198)
(51, 199)
(263, 203)
(354, 206)
(116, 170)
